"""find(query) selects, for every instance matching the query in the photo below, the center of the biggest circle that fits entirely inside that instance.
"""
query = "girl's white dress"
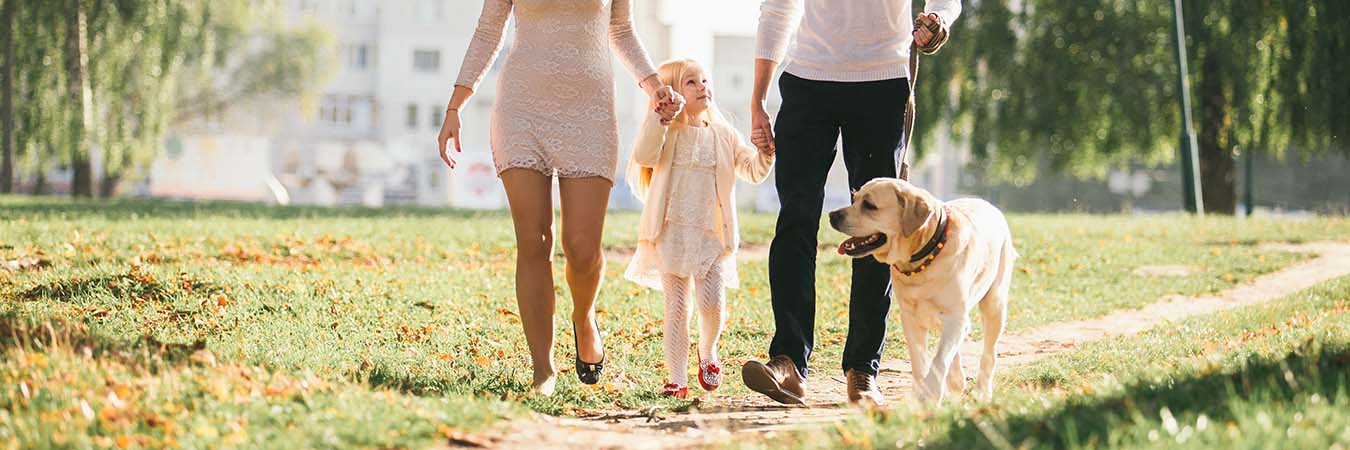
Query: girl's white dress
(690, 242)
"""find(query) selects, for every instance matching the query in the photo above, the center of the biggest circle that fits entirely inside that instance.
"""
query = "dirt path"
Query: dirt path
(758, 415)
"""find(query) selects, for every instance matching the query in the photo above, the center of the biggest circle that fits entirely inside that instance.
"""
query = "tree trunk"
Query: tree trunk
(76, 65)
(1218, 179)
(107, 184)
(8, 141)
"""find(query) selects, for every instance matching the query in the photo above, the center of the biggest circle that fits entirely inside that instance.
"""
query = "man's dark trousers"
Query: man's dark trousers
(870, 116)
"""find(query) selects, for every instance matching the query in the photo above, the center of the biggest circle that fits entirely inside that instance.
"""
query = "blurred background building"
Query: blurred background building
(367, 137)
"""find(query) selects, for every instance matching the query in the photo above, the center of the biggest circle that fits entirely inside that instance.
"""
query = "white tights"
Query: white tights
(712, 315)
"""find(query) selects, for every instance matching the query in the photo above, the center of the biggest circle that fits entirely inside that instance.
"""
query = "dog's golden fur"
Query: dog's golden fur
(973, 269)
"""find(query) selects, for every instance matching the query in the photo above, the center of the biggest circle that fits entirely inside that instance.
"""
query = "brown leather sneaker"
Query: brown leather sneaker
(778, 379)
(862, 389)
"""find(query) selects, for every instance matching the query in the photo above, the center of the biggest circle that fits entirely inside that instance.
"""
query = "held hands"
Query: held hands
(929, 33)
(449, 130)
(761, 131)
(668, 104)
(762, 141)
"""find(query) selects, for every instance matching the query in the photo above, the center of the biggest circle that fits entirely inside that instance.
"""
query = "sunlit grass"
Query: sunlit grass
(418, 304)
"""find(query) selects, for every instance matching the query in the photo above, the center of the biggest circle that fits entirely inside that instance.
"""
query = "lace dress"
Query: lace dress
(690, 242)
(555, 110)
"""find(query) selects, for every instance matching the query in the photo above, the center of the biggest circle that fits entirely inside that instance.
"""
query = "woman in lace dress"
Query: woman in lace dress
(555, 115)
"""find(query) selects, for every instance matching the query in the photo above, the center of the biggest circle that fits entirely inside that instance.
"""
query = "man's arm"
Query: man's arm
(777, 20)
(761, 130)
(930, 27)
(948, 10)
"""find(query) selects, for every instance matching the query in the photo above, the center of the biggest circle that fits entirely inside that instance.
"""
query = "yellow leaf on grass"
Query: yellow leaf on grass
(204, 357)
(483, 361)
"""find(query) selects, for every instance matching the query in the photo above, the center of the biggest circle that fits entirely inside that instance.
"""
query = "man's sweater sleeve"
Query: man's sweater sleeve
(777, 20)
(948, 10)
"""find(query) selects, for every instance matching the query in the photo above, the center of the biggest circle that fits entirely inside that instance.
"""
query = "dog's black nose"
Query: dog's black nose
(835, 217)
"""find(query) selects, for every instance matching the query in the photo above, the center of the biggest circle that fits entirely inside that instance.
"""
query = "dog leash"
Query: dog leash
(909, 104)
(909, 110)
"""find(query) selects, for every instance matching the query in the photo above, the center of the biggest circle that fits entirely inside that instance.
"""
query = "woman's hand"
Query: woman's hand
(449, 130)
(668, 103)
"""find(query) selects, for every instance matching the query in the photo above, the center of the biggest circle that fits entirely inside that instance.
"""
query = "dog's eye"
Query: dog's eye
(867, 205)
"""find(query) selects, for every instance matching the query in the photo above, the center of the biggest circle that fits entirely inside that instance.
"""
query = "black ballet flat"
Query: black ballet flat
(588, 373)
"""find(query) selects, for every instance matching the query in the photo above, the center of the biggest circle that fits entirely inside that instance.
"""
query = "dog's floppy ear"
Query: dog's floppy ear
(915, 211)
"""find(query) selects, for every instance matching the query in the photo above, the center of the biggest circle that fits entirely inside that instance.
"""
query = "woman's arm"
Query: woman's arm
(486, 43)
(450, 126)
(626, 44)
(483, 48)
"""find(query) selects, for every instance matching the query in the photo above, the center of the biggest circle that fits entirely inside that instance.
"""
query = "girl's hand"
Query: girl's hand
(449, 130)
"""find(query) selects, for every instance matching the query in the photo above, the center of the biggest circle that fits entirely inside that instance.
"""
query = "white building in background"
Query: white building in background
(368, 136)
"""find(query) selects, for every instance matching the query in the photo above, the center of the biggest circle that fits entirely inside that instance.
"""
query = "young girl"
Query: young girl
(687, 238)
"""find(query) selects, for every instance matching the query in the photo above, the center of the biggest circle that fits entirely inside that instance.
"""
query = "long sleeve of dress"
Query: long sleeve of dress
(650, 140)
(625, 42)
(486, 43)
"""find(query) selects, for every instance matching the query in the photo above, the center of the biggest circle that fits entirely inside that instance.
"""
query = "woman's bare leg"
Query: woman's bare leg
(530, 194)
(584, 202)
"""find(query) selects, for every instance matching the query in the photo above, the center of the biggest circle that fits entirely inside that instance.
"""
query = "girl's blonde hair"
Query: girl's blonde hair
(670, 73)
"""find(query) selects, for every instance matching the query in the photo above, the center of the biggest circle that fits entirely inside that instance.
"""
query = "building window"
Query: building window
(362, 56)
(347, 111)
(412, 116)
(427, 60)
(437, 117)
(335, 110)
(357, 56)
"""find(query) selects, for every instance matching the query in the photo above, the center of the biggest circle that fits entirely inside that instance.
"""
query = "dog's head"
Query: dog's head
(885, 220)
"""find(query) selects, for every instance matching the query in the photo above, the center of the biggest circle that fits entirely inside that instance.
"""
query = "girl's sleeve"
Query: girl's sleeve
(625, 42)
(486, 43)
(650, 140)
(751, 164)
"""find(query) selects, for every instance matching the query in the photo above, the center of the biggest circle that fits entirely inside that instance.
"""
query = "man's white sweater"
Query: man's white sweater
(843, 40)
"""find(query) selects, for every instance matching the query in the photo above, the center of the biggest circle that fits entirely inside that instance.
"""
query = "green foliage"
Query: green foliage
(1088, 86)
(150, 65)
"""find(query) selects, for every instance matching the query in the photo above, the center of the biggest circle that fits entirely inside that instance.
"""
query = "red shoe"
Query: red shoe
(710, 374)
(675, 390)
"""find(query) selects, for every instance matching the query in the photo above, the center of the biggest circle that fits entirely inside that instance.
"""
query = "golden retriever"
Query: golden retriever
(945, 258)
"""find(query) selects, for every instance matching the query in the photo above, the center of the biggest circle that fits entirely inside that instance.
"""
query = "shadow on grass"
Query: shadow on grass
(15, 207)
(17, 331)
(1089, 420)
(133, 285)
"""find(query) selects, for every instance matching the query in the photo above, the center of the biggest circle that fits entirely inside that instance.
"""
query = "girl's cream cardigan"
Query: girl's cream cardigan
(649, 175)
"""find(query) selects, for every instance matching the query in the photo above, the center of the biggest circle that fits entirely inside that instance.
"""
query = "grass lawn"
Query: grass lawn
(322, 327)
(1269, 376)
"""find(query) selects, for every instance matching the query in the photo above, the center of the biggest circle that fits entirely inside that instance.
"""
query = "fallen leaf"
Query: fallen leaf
(204, 356)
